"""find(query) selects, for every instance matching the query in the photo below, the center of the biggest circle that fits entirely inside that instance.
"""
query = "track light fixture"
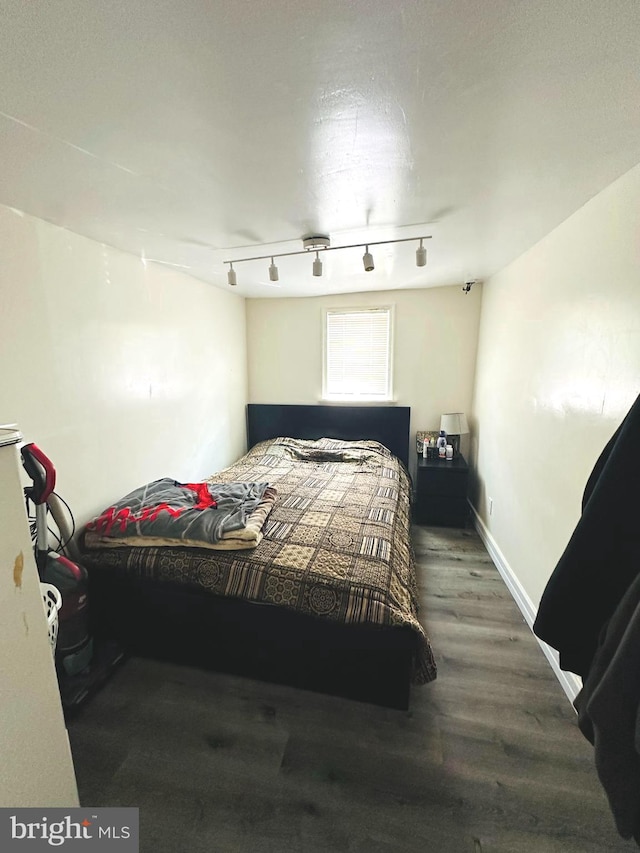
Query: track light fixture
(322, 243)
(421, 255)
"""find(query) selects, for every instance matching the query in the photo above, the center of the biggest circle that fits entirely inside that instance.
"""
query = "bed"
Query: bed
(325, 601)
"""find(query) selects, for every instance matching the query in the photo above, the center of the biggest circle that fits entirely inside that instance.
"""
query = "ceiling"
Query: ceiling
(193, 132)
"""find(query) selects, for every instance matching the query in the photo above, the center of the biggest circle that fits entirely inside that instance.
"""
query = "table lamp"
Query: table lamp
(454, 424)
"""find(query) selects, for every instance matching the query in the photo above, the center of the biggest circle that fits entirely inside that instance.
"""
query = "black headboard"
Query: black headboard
(387, 424)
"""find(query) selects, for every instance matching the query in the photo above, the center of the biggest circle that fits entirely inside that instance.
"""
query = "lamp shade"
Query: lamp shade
(454, 423)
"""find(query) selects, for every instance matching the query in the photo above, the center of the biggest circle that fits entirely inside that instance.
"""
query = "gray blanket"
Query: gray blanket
(195, 511)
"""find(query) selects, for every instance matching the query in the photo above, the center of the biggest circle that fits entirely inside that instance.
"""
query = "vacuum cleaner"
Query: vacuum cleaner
(80, 667)
(74, 647)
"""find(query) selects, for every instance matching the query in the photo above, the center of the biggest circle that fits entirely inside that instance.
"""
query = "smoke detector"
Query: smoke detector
(316, 242)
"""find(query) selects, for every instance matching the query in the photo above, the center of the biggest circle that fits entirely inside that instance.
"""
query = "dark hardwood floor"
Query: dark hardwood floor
(488, 759)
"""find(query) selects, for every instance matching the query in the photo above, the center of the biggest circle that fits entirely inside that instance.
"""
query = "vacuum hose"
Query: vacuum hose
(61, 518)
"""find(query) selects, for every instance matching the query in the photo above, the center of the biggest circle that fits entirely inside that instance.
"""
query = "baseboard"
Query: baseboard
(569, 682)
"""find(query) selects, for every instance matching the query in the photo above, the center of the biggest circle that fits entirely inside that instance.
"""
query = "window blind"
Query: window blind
(358, 354)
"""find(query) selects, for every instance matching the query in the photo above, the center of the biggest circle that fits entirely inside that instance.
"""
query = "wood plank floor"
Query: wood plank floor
(488, 759)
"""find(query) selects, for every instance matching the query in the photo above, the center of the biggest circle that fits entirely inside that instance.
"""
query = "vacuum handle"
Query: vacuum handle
(40, 468)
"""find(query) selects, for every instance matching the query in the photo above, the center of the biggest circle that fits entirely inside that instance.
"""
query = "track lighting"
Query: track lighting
(367, 259)
(322, 243)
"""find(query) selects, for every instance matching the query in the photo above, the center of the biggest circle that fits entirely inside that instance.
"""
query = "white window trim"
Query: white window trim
(354, 399)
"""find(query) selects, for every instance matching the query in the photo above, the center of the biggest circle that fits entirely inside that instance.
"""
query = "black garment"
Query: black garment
(602, 558)
(608, 712)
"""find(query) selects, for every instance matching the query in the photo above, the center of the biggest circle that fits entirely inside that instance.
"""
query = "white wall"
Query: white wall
(435, 339)
(120, 372)
(558, 368)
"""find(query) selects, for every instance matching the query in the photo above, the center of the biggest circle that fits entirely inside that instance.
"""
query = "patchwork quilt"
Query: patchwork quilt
(336, 543)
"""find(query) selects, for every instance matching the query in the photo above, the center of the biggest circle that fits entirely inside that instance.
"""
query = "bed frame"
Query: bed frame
(387, 424)
(168, 622)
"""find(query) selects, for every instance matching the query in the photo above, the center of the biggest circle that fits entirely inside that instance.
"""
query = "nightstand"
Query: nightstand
(441, 493)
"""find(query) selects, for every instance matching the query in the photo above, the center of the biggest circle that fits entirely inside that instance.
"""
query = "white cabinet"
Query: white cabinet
(36, 768)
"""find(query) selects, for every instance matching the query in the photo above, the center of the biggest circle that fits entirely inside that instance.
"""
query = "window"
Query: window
(357, 354)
